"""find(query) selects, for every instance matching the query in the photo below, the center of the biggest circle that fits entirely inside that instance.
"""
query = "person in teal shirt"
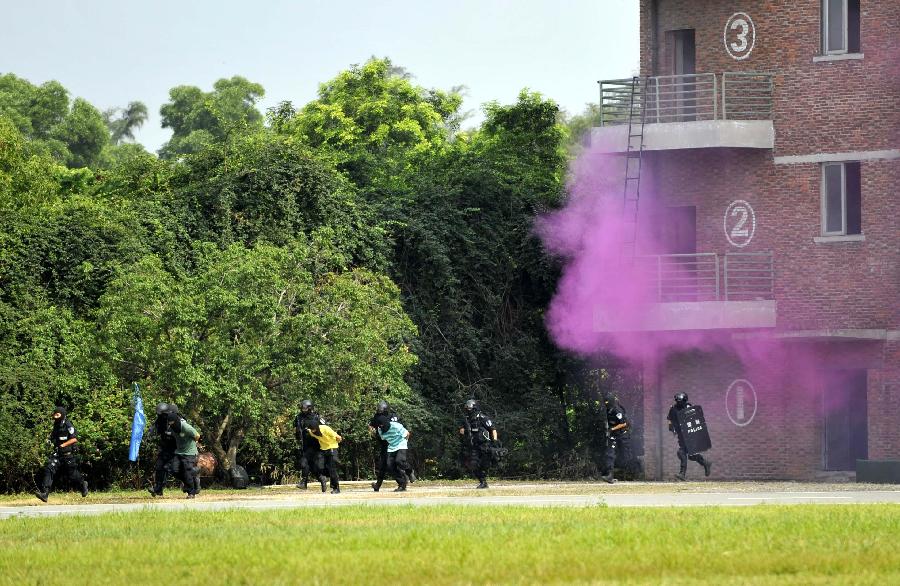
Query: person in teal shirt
(186, 453)
(397, 438)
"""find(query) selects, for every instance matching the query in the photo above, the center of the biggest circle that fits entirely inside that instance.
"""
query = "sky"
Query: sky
(111, 52)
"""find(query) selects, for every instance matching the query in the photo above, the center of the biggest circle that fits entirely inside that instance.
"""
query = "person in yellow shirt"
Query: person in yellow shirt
(327, 458)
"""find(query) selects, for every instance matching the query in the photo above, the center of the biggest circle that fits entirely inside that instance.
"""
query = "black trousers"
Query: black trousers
(383, 467)
(327, 463)
(396, 463)
(308, 462)
(166, 464)
(683, 457)
(477, 460)
(616, 444)
(188, 472)
(66, 464)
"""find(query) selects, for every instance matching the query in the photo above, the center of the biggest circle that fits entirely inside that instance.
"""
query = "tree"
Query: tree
(122, 122)
(376, 125)
(251, 331)
(579, 127)
(198, 118)
(74, 136)
(476, 281)
(35, 110)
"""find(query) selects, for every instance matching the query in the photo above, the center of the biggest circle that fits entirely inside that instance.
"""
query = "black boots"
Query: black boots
(376, 486)
(482, 484)
(302, 484)
(608, 477)
(323, 480)
(84, 490)
(42, 494)
(707, 466)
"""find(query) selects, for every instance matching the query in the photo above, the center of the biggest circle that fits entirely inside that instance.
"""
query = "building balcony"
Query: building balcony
(698, 292)
(702, 110)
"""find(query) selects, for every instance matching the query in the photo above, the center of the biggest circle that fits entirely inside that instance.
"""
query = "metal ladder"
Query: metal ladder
(633, 161)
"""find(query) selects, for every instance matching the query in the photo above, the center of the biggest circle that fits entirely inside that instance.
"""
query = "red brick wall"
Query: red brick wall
(784, 440)
(817, 285)
(820, 107)
(884, 405)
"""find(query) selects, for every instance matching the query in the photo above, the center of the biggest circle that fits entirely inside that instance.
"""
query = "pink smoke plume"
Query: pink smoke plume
(597, 287)
(598, 282)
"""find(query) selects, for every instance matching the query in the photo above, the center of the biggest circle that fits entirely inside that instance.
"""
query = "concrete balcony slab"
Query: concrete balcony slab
(682, 316)
(701, 134)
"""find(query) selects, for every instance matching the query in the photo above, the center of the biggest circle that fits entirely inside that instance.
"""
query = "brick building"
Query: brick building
(766, 135)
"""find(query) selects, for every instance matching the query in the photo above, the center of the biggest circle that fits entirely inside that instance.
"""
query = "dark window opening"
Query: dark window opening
(853, 179)
(853, 27)
(841, 26)
(846, 419)
(677, 96)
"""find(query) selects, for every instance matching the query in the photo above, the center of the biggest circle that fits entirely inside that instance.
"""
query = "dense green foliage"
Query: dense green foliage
(797, 544)
(359, 247)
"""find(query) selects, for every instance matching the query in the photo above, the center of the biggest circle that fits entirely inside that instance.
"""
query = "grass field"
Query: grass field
(798, 544)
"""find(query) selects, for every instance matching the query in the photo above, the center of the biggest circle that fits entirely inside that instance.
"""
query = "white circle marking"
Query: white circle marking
(740, 50)
(738, 386)
(740, 234)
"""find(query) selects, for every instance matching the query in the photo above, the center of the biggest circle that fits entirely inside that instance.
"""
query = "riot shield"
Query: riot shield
(692, 431)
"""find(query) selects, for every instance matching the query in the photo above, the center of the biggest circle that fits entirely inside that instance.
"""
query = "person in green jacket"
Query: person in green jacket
(186, 453)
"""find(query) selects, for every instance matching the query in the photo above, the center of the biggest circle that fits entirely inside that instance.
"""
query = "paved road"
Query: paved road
(658, 499)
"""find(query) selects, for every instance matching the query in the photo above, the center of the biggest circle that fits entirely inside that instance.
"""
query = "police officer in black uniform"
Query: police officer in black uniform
(479, 435)
(166, 461)
(307, 418)
(382, 419)
(681, 402)
(64, 456)
(618, 429)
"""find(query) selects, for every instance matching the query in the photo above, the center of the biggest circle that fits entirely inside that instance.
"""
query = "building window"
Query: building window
(841, 199)
(840, 27)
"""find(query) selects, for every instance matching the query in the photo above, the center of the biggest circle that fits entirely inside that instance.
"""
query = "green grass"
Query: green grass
(795, 544)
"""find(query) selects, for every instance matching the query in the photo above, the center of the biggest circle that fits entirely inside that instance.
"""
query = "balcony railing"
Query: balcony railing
(739, 276)
(688, 98)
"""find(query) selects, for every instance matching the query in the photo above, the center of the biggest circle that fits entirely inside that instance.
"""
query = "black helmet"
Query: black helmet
(61, 411)
(382, 407)
(611, 399)
(471, 405)
(174, 421)
(173, 409)
(681, 398)
(162, 408)
(306, 405)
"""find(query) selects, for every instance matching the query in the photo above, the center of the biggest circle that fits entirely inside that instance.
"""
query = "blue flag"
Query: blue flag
(137, 424)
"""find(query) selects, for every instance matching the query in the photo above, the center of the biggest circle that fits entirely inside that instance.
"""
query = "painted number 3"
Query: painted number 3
(742, 24)
(743, 34)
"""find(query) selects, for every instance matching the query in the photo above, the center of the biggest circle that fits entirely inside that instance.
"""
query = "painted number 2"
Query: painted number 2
(739, 231)
(740, 223)
(740, 36)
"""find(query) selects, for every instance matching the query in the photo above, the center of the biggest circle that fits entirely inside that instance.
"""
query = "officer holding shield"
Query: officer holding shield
(684, 453)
